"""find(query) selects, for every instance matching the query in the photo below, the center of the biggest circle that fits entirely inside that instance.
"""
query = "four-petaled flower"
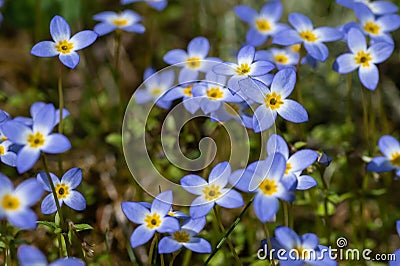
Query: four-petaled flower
(211, 192)
(15, 203)
(28, 256)
(363, 58)
(281, 57)
(63, 44)
(390, 148)
(36, 138)
(185, 237)
(155, 219)
(64, 190)
(126, 20)
(312, 38)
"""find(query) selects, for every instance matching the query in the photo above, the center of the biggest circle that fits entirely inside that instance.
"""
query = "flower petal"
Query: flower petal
(380, 164)
(43, 121)
(72, 177)
(44, 49)
(75, 200)
(28, 255)
(59, 29)
(388, 145)
(272, 10)
(56, 143)
(162, 203)
(245, 13)
(16, 132)
(70, 60)
(263, 118)
(219, 174)
(134, 211)
(369, 76)
(195, 225)
(169, 225)
(328, 34)
(67, 261)
(230, 199)
(48, 205)
(225, 68)
(317, 50)
(200, 207)
(26, 158)
(302, 159)
(380, 51)
(255, 38)
(356, 40)
(284, 82)
(277, 144)
(83, 39)
(293, 111)
(300, 22)
(287, 37)
(29, 192)
(138, 28)
(42, 178)
(383, 7)
(305, 182)
(345, 63)
(193, 184)
(198, 245)
(363, 12)
(104, 28)
(198, 47)
(140, 236)
(246, 55)
(168, 245)
(175, 56)
(287, 237)
(261, 68)
(23, 219)
(265, 207)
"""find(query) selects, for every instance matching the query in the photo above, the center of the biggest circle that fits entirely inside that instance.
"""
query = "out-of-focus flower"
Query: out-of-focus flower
(390, 148)
(65, 190)
(236, 111)
(126, 20)
(156, 4)
(15, 203)
(7, 156)
(63, 44)
(312, 38)
(245, 68)
(155, 219)
(28, 256)
(396, 261)
(212, 192)
(262, 25)
(377, 7)
(363, 58)
(273, 102)
(185, 237)
(280, 57)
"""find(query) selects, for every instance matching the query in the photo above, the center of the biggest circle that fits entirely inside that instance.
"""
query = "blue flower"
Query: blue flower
(155, 85)
(1, 15)
(246, 68)
(295, 164)
(15, 203)
(262, 25)
(274, 101)
(265, 179)
(193, 61)
(36, 139)
(63, 44)
(280, 57)
(377, 28)
(7, 156)
(155, 219)
(28, 256)
(300, 250)
(390, 148)
(185, 237)
(312, 38)
(126, 20)
(363, 58)
(64, 190)
(156, 4)
(377, 7)
(234, 110)
(396, 261)
(211, 192)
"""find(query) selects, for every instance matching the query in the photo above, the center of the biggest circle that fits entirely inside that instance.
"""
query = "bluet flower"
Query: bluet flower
(156, 4)
(212, 192)
(390, 161)
(312, 38)
(65, 190)
(126, 20)
(263, 24)
(36, 139)
(234, 110)
(185, 237)
(63, 44)
(245, 68)
(28, 256)
(377, 7)
(280, 57)
(7, 156)
(155, 219)
(15, 203)
(363, 58)
(396, 261)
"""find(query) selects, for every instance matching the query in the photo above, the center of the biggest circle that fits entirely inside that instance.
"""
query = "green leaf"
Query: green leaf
(300, 144)
(52, 226)
(82, 227)
(114, 139)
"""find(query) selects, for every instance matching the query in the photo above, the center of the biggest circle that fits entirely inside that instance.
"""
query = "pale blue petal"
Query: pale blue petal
(265, 207)
(230, 199)
(363, 12)
(277, 144)
(265, 79)
(168, 245)
(369, 76)
(240, 179)
(56, 143)
(318, 51)
(65, 113)
(398, 227)
(254, 90)
(225, 68)
(260, 68)
(72, 177)
(395, 262)
(35, 108)
(158, 5)
(200, 207)
(300, 22)
(272, 10)
(246, 13)
(356, 40)
(48, 205)
(208, 106)
(104, 28)
(104, 16)
(29, 192)
(219, 174)
(193, 184)
(10, 158)
(24, 219)
(264, 55)
(305, 182)
(134, 211)
(83, 39)
(42, 178)
(263, 118)
(59, 29)
(246, 55)
(195, 225)
(140, 236)
(328, 34)
(388, 145)
(162, 203)
(198, 47)
(293, 111)
(198, 245)
(175, 56)
(143, 96)
(138, 28)
(28, 256)
(380, 51)
(43, 121)
(255, 38)
(75, 201)
(273, 167)
(67, 262)
(380, 164)
(26, 158)
(70, 60)
(169, 225)
(345, 63)
(44, 49)
(289, 182)
(287, 237)
(287, 37)
(284, 82)
(309, 241)
(192, 104)
(16, 132)
(383, 7)
(302, 159)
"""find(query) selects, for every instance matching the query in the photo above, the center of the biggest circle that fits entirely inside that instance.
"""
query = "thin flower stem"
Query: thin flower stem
(174, 255)
(228, 241)
(349, 102)
(268, 237)
(186, 259)
(151, 251)
(63, 224)
(285, 213)
(117, 72)
(61, 109)
(365, 115)
(229, 231)
(325, 192)
(5, 239)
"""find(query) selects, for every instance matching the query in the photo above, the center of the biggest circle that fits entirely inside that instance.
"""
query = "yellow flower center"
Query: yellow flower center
(281, 59)
(302, 253)
(152, 220)
(371, 28)
(288, 168)
(156, 91)
(268, 187)
(193, 62)
(64, 47)
(10, 203)
(181, 236)
(263, 25)
(212, 192)
(35, 140)
(4, 138)
(395, 160)
(2, 150)
(62, 191)
(362, 58)
(243, 69)
(215, 93)
(273, 100)
(120, 22)
(170, 213)
(295, 48)
(188, 91)
(308, 36)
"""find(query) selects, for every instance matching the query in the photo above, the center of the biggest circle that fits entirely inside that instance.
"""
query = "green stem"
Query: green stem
(229, 231)
(117, 72)
(349, 102)
(151, 251)
(174, 255)
(61, 109)
(268, 237)
(63, 224)
(186, 259)
(365, 115)
(325, 193)
(285, 213)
